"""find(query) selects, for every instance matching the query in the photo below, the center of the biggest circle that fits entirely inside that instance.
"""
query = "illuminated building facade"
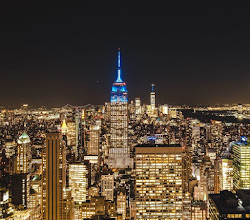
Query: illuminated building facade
(21, 178)
(54, 178)
(152, 98)
(78, 123)
(71, 133)
(107, 187)
(78, 182)
(164, 109)
(199, 210)
(119, 152)
(137, 107)
(25, 214)
(216, 134)
(121, 204)
(159, 181)
(226, 174)
(98, 206)
(23, 154)
(64, 128)
(5, 200)
(241, 163)
(94, 140)
(186, 212)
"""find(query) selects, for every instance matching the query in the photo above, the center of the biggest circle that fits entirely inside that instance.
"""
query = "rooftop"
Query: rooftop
(158, 148)
(231, 203)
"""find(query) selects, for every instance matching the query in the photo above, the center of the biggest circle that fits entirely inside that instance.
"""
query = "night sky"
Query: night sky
(64, 52)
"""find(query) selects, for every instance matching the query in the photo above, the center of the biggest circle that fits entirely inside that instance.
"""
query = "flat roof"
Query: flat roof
(231, 203)
(158, 148)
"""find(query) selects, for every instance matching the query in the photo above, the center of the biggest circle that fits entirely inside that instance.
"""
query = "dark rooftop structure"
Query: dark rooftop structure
(229, 205)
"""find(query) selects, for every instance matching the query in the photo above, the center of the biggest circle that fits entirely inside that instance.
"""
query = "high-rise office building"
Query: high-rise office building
(137, 107)
(159, 181)
(74, 133)
(71, 134)
(78, 122)
(6, 209)
(23, 154)
(54, 178)
(241, 163)
(121, 204)
(152, 98)
(119, 151)
(216, 134)
(199, 210)
(20, 184)
(226, 174)
(78, 182)
(107, 187)
(94, 140)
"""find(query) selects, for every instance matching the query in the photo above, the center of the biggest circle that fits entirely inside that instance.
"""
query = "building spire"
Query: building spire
(119, 78)
(153, 87)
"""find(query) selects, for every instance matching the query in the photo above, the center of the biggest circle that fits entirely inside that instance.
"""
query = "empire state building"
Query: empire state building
(119, 152)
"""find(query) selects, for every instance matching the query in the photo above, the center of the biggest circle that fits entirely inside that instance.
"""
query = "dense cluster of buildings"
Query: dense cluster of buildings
(122, 160)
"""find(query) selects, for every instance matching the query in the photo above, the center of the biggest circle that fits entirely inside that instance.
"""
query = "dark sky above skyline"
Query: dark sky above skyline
(65, 52)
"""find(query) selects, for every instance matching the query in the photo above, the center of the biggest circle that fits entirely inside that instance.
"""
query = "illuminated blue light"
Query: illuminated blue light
(152, 138)
(119, 58)
(243, 139)
(119, 79)
(119, 99)
(119, 88)
(123, 89)
(114, 89)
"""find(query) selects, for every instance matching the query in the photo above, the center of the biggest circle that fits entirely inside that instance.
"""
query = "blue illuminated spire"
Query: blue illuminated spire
(119, 78)
(153, 87)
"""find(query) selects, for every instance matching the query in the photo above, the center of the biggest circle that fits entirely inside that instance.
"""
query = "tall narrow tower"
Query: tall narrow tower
(54, 177)
(23, 154)
(119, 152)
(20, 179)
(152, 98)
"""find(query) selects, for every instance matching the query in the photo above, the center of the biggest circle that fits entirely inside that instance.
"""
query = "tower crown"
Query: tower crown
(119, 88)
(23, 139)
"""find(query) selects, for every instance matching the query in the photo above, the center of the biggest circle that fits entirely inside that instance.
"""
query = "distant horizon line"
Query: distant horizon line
(31, 106)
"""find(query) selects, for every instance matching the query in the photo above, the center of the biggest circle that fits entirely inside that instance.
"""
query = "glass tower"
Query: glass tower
(241, 163)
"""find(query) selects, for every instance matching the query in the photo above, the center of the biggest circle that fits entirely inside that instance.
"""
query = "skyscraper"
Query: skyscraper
(20, 186)
(119, 152)
(107, 187)
(54, 177)
(152, 98)
(226, 174)
(138, 107)
(78, 122)
(78, 183)
(159, 181)
(241, 164)
(121, 204)
(23, 154)
(94, 140)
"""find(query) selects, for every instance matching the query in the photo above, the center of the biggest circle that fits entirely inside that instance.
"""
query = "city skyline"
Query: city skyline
(54, 55)
(124, 111)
